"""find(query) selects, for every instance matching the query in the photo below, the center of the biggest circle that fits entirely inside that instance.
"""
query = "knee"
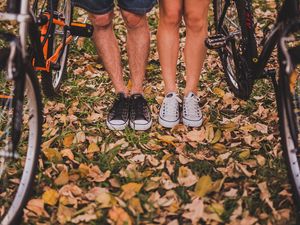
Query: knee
(101, 21)
(133, 21)
(195, 23)
(172, 18)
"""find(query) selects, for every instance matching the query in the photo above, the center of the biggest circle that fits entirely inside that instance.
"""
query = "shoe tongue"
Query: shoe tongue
(171, 94)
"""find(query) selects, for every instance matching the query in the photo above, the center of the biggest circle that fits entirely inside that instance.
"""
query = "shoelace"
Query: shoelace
(141, 110)
(173, 110)
(118, 108)
(192, 105)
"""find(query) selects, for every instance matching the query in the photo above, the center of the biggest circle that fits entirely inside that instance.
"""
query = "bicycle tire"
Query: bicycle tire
(289, 124)
(237, 56)
(28, 148)
(52, 80)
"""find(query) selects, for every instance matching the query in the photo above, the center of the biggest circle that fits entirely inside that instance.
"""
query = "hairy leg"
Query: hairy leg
(108, 49)
(170, 15)
(195, 16)
(138, 45)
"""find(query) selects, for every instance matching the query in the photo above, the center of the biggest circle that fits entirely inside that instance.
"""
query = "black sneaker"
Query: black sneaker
(118, 115)
(140, 115)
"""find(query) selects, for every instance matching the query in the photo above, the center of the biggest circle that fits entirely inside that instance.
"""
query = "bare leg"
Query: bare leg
(108, 49)
(170, 12)
(195, 16)
(138, 44)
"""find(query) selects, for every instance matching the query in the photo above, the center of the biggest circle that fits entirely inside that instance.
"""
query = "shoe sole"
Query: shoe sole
(116, 127)
(168, 124)
(141, 127)
(192, 123)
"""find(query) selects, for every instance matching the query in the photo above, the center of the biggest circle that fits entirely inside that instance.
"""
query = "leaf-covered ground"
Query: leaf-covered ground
(229, 171)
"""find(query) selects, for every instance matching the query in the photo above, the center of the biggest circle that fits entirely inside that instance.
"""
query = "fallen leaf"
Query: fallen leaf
(68, 140)
(203, 186)
(130, 190)
(63, 178)
(50, 196)
(119, 216)
(186, 177)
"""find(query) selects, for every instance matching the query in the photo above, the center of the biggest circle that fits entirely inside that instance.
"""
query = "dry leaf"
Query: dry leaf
(50, 196)
(63, 178)
(68, 140)
(203, 186)
(119, 216)
(130, 190)
(186, 177)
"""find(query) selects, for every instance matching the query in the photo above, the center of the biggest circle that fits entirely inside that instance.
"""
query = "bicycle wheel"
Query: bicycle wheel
(289, 118)
(240, 51)
(62, 11)
(20, 134)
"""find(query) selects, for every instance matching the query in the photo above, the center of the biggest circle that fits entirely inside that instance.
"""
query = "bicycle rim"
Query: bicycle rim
(18, 166)
(289, 106)
(64, 9)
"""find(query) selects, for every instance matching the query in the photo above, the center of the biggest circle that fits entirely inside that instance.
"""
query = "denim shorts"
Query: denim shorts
(105, 6)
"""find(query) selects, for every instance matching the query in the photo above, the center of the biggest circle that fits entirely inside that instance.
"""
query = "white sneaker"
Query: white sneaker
(169, 110)
(192, 115)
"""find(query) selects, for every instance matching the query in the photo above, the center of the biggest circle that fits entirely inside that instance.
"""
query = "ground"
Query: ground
(229, 171)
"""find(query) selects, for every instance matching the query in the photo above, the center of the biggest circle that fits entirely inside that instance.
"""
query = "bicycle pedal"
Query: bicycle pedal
(216, 41)
(81, 29)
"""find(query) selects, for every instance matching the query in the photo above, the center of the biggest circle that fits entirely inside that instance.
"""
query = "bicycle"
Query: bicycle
(50, 32)
(236, 44)
(54, 18)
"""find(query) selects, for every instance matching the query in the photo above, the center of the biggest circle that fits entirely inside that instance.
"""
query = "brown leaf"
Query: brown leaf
(63, 178)
(68, 140)
(130, 190)
(119, 216)
(186, 177)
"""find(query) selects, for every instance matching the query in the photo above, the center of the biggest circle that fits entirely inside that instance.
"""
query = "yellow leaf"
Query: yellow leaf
(119, 216)
(217, 208)
(130, 190)
(63, 178)
(68, 140)
(50, 197)
(135, 205)
(220, 148)
(83, 169)
(209, 133)
(167, 139)
(52, 154)
(219, 92)
(203, 186)
(231, 126)
(245, 154)
(248, 127)
(93, 147)
(217, 137)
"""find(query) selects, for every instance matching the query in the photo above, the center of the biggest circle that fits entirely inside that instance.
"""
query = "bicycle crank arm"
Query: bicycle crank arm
(81, 29)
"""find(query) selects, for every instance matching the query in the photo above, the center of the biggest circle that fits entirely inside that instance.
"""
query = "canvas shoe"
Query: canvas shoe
(191, 115)
(169, 111)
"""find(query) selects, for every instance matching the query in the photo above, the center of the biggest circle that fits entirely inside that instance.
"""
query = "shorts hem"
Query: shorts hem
(139, 11)
(95, 11)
